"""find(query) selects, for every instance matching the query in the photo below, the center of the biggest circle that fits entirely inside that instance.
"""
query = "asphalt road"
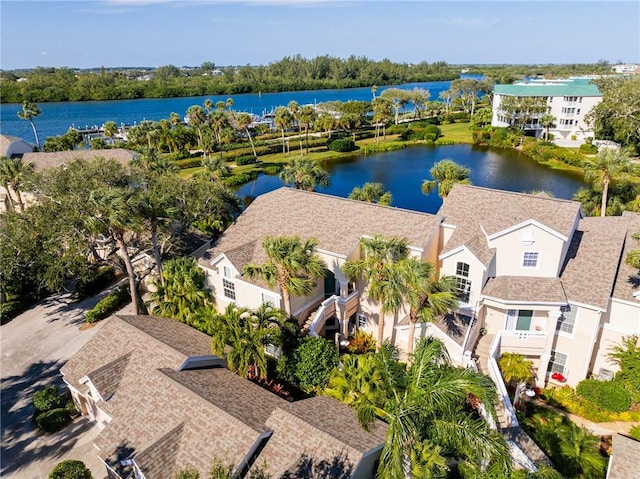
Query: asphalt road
(34, 347)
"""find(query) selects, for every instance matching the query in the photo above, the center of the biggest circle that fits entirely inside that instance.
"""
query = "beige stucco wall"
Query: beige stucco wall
(510, 249)
(622, 319)
(477, 272)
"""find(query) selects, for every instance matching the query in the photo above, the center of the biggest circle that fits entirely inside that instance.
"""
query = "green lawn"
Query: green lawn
(458, 132)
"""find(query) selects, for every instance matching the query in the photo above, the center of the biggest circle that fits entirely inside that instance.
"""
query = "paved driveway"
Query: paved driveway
(34, 346)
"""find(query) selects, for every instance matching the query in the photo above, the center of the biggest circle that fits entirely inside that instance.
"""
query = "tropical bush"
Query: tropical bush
(362, 342)
(100, 277)
(70, 469)
(588, 149)
(53, 410)
(566, 398)
(109, 304)
(246, 160)
(342, 145)
(236, 180)
(315, 359)
(609, 395)
(634, 432)
(432, 132)
(188, 163)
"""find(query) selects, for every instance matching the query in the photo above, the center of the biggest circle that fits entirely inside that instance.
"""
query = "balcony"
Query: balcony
(529, 343)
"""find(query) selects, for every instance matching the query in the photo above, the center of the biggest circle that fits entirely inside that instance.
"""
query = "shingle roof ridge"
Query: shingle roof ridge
(116, 369)
(517, 193)
(342, 198)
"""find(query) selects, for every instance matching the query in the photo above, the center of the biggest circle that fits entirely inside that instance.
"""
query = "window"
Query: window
(519, 319)
(558, 363)
(228, 288)
(362, 320)
(269, 299)
(567, 320)
(530, 259)
(227, 272)
(463, 284)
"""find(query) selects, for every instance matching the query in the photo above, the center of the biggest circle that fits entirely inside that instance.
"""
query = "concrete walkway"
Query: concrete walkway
(34, 347)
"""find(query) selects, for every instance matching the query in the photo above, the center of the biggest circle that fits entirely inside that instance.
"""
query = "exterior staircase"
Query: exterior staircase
(307, 324)
(482, 352)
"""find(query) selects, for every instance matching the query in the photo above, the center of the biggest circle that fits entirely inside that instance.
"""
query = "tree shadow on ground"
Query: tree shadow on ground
(18, 431)
(308, 467)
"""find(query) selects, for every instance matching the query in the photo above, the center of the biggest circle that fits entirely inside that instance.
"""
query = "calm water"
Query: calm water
(403, 171)
(56, 118)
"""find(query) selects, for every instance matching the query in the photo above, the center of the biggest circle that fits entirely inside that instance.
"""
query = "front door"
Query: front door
(519, 320)
(330, 283)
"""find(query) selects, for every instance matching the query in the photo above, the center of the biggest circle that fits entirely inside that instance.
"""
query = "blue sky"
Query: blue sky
(111, 33)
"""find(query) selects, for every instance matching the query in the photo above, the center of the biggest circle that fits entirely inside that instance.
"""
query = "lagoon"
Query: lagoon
(403, 171)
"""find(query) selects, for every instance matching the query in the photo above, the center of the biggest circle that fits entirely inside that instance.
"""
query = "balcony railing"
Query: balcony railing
(329, 307)
(524, 342)
(496, 376)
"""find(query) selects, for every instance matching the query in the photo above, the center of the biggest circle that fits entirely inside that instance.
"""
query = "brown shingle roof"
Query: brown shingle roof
(42, 161)
(167, 419)
(525, 288)
(624, 460)
(478, 211)
(592, 261)
(337, 224)
(628, 278)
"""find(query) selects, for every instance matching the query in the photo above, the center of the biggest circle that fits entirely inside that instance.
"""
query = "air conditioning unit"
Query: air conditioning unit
(605, 375)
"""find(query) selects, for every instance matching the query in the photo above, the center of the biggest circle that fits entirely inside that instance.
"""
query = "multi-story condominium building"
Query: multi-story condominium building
(532, 272)
(568, 101)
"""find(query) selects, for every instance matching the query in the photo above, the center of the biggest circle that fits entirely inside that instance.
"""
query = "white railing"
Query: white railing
(496, 376)
(318, 322)
(526, 342)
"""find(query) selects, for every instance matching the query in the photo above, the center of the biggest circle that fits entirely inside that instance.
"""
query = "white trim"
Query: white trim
(528, 223)
(448, 225)
(331, 253)
(218, 258)
(460, 249)
(538, 254)
(527, 303)
(624, 301)
(590, 306)
(613, 329)
(564, 334)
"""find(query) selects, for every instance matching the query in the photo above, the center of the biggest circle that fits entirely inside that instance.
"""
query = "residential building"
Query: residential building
(163, 402)
(542, 279)
(44, 160)
(567, 100)
(12, 146)
(626, 68)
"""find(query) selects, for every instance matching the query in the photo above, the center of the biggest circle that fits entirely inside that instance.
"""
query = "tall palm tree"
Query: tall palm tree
(445, 174)
(599, 171)
(197, 117)
(243, 120)
(110, 129)
(283, 120)
(304, 173)
(113, 215)
(382, 111)
(215, 169)
(292, 265)
(515, 368)
(307, 115)
(13, 174)
(379, 268)
(371, 193)
(294, 109)
(29, 112)
(427, 296)
(547, 121)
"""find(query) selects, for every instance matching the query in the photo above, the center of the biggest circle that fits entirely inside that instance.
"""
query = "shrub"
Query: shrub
(236, 180)
(634, 432)
(108, 305)
(362, 342)
(609, 395)
(316, 358)
(70, 469)
(588, 148)
(47, 399)
(246, 160)
(432, 132)
(442, 142)
(53, 420)
(10, 309)
(188, 163)
(342, 145)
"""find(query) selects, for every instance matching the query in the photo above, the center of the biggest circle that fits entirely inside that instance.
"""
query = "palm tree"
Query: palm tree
(371, 193)
(374, 89)
(307, 115)
(379, 269)
(600, 170)
(215, 169)
(283, 120)
(110, 129)
(445, 174)
(547, 121)
(243, 121)
(304, 173)
(292, 265)
(13, 174)
(428, 297)
(29, 112)
(294, 109)
(633, 258)
(197, 117)
(579, 452)
(182, 294)
(515, 368)
(113, 215)
(382, 111)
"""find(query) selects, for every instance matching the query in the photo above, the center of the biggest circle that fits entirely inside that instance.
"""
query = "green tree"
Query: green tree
(306, 116)
(519, 111)
(371, 193)
(182, 293)
(633, 258)
(110, 129)
(600, 171)
(283, 120)
(215, 169)
(398, 98)
(292, 264)
(427, 296)
(547, 121)
(378, 267)
(29, 112)
(13, 175)
(243, 120)
(515, 368)
(627, 356)
(70, 469)
(445, 174)
(294, 110)
(304, 173)
(579, 451)
(382, 111)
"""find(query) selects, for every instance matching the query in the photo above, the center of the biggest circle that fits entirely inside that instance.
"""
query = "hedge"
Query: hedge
(47, 399)
(236, 180)
(109, 304)
(53, 410)
(315, 359)
(188, 163)
(246, 160)
(342, 145)
(609, 395)
(53, 420)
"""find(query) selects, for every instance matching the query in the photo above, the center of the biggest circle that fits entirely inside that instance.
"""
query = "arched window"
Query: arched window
(463, 283)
